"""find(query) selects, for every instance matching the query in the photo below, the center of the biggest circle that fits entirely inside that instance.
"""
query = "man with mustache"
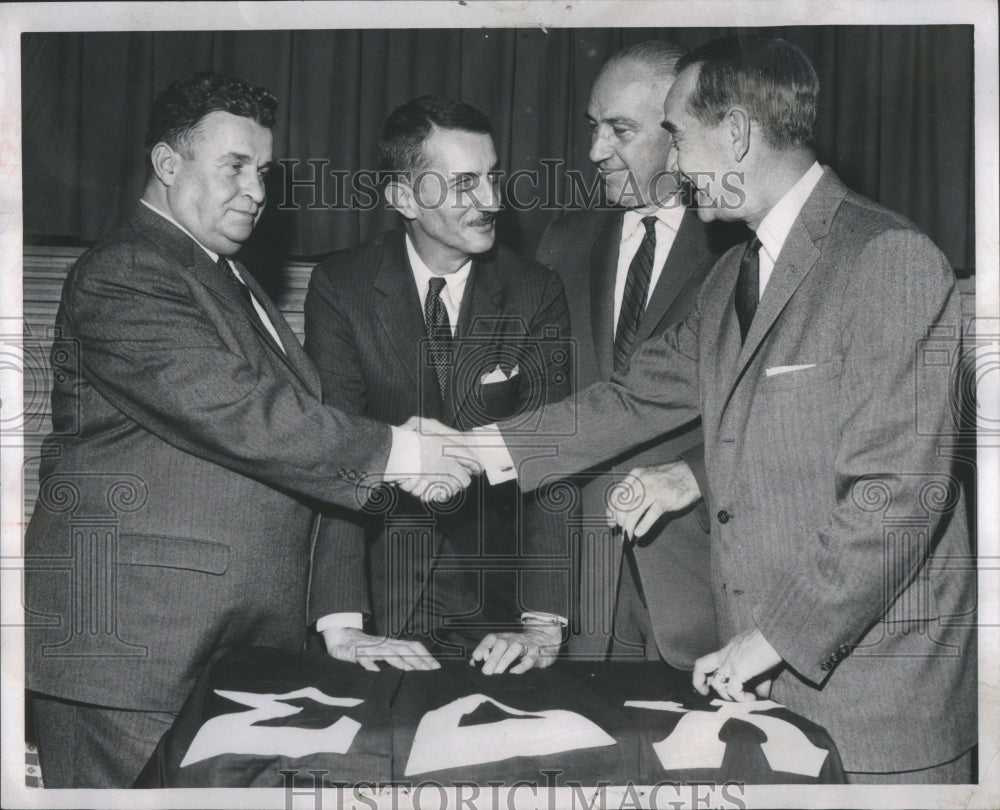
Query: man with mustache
(434, 320)
(630, 273)
(189, 446)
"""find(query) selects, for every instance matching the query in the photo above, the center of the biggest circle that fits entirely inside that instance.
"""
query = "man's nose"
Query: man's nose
(489, 198)
(672, 159)
(253, 187)
(600, 149)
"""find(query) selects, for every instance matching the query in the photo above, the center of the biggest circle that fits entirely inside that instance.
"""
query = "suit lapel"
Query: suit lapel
(797, 257)
(479, 317)
(293, 356)
(197, 262)
(399, 312)
(603, 269)
(686, 255)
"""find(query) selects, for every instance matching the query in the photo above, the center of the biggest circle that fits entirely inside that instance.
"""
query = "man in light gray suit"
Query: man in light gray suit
(176, 493)
(841, 565)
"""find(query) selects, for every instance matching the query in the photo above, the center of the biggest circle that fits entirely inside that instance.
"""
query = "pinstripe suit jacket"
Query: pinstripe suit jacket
(673, 558)
(365, 332)
(175, 510)
(836, 514)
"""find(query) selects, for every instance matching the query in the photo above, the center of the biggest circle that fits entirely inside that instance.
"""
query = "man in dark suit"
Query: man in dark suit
(629, 274)
(841, 564)
(435, 321)
(174, 512)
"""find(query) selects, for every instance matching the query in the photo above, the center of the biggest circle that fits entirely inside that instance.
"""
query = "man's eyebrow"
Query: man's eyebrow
(669, 127)
(618, 119)
(236, 156)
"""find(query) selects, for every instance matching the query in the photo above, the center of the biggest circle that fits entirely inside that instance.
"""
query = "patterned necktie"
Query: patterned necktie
(438, 333)
(748, 286)
(634, 298)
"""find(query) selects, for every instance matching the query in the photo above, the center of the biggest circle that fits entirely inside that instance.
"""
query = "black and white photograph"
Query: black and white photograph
(496, 405)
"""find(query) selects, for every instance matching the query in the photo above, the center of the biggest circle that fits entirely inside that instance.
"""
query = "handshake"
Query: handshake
(446, 459)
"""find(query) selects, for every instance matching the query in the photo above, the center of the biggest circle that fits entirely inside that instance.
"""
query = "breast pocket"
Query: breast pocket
(497, 400)
(802, 376)
(795, 416)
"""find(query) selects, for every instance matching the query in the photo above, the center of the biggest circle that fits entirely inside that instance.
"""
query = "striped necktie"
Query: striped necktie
(634, 299)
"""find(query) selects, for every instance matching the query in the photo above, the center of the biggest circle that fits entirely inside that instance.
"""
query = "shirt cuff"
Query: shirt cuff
(404, 455)
(331, 620)
(491, 452)
(538, 617)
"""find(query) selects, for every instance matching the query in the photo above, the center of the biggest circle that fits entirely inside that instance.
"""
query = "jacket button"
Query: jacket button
(844, 650)
(825, 666)
(341, 472)
(723, 516)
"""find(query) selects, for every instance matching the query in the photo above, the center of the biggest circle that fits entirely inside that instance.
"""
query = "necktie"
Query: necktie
(438, 332)
(634, 298)
(241, 288)
(748, 286)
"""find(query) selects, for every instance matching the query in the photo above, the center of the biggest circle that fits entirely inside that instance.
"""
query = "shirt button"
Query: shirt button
(723, 516)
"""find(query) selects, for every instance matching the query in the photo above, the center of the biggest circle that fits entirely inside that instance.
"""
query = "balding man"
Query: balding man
(630, 272)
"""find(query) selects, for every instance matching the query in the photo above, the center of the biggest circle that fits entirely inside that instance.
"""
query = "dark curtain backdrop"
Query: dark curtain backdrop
(896, 117)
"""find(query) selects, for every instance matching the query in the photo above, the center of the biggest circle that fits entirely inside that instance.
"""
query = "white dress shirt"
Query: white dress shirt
(668, 221)
(773, 229)
(454, 283)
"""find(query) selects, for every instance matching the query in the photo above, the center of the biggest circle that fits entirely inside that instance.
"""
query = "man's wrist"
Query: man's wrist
(339, 621)
(490, 450)
(404, 455)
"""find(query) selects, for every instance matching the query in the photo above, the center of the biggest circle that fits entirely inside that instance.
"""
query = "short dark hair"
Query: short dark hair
(179, 109)
(772, 78)
(406, 130)
(658, 56)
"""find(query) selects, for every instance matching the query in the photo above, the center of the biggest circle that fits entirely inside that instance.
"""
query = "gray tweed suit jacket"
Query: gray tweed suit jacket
(175, 508)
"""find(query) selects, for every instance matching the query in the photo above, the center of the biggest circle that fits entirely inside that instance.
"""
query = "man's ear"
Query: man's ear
(400, 196)
(165, 162)
(738, 123)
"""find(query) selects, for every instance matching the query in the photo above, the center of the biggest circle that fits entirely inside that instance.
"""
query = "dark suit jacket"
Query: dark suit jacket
(365, 332)
(837, 520)
(173, 514)
(673, 558)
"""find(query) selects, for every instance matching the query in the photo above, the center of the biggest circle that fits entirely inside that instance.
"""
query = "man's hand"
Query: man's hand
(647, 493)
(446, 466)
(536, 646)
(743, 659)
(356, 646)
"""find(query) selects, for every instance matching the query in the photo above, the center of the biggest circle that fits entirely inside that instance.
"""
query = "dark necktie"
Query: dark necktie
(438, 333)
(247, 299)
(634, 298)
(748, 286)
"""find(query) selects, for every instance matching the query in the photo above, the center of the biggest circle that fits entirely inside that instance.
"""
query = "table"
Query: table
(261, 717)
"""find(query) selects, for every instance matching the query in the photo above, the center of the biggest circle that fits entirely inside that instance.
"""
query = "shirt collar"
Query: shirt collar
(423, 275)
(774, 228)
(214, 256)
(670, 217)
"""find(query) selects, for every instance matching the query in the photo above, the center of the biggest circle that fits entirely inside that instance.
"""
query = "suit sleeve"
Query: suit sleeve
(657, 393)
(847, 576)
(150, 349)
(338, 577)
(543, 587)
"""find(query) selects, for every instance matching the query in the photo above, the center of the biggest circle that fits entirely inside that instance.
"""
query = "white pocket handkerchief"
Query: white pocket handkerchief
(774, 371)
(497, 375)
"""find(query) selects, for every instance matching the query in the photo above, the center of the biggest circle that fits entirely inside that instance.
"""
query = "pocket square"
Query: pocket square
(774, 371)
(497, 375)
